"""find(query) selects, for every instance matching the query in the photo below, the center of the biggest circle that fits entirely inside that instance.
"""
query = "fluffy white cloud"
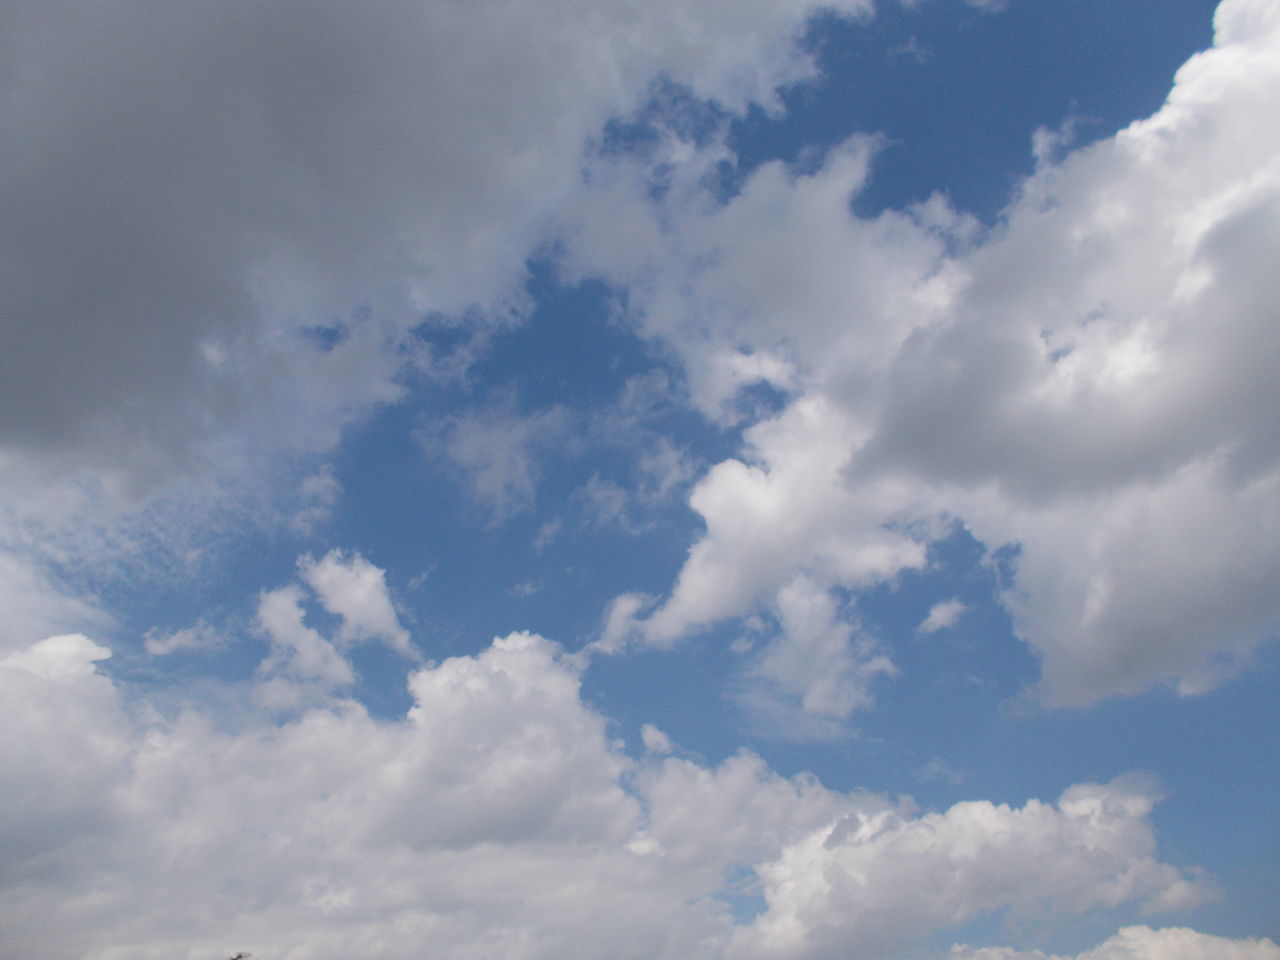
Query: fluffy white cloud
(496, 817)
(355, 590)
(788, 508)
(1143, 943)
(818, 659)
(299, 653)
(1092, 379)
(304, 666)
(854, 887)
(655, 740)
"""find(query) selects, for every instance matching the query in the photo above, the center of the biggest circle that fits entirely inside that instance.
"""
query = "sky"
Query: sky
(660, 480)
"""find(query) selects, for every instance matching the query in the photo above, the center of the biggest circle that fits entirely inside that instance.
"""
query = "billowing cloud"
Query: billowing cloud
(496, 816)
(1143, 943)
(304, 665)
(355, 590)
(856, 886)
(818, 659)
(299, 654)
(233, 230)
(1091, 380)
(788, 508)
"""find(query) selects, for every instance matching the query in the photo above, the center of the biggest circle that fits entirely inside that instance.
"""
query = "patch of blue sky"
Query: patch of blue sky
(543, 560)
(957, 92)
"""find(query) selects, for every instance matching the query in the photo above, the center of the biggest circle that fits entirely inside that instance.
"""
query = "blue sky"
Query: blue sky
(641, 480)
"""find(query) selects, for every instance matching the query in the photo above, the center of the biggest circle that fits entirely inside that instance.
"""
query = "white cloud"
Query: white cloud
(299, 654)
(942, 615)
(857, 886)
(202, 636)
(1143, 943)
(304, 666)
(818, 658)
(655, 741)
(787, 508)
(59, 658)
(496, 816)
(1092, 380)
(621, 622)
(355, 590)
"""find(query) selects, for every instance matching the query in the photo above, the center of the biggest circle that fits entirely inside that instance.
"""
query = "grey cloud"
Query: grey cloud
(183, 185)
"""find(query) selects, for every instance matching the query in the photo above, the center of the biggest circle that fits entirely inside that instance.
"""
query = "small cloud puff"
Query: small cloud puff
(942, 615)
(202, 636)
(655, 741)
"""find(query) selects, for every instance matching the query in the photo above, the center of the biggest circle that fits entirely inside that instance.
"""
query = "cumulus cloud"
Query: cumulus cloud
(495, 815)
(1143, 943)
(854, 887)
(202, 636)
(305, 666)
(1091, 380)
(786, 507)
(655, 741)
(355, 590)
(299, 652)
(35, 607)
(818, 658)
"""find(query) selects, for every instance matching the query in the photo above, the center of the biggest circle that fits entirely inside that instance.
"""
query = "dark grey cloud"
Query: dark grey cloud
(184, 184)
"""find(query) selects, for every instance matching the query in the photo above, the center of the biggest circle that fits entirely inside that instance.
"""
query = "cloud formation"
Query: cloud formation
(355, 590)
(189, 196)
(1090, 380)
(496, 815)
(1143, 943)
(232, 231)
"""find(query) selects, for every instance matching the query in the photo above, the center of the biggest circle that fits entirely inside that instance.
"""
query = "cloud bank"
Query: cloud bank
(190, 193)
(1090, 380)
(496, 816)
